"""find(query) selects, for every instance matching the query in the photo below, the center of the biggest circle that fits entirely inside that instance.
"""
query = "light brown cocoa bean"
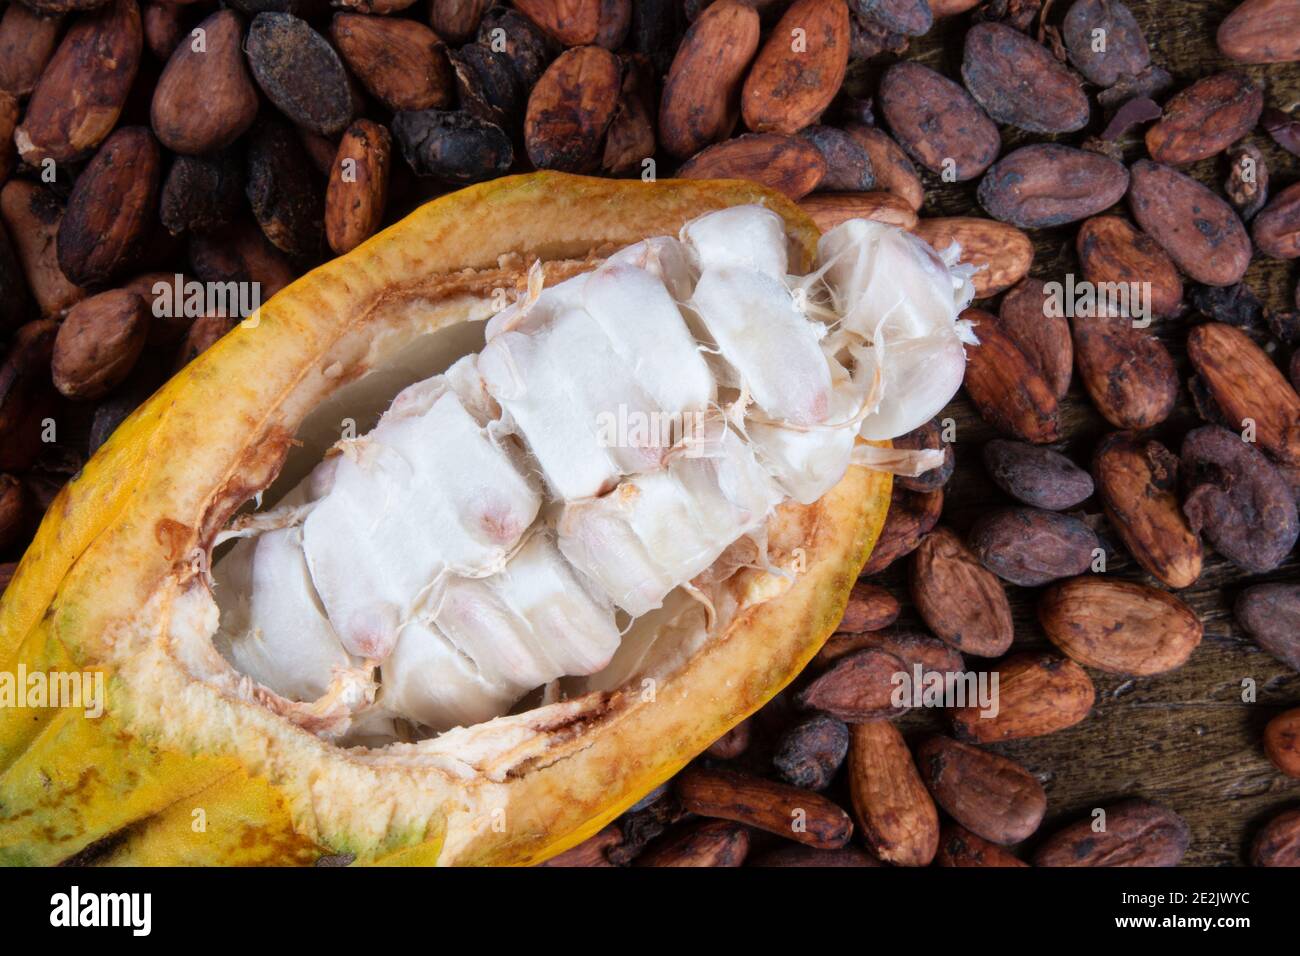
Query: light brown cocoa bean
(1001, 252)
(911, 516)
(358, 186)
(870, 608)
(890, 167)
(1007, 386)
(1128, 373)
(1113, 254)
(828, 210)
(1206, 118)
(1262, 31)
(856, 688)
(894, 811)
(958, 598)
(799, 815)
(1276, 230)
(1027, 316)
(1038, 693)
(98, 344)
(401, 63)
(990, 795)
(787, 164)
(570, 109)
(1136, 833)
(790, 85)
(581, 22)
(455, 20)
(219, 70)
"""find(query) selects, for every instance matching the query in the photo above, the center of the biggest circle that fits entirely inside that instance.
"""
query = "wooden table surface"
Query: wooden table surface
(1184, 739)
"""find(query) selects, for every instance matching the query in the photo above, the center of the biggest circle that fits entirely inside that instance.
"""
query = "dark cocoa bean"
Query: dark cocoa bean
(811, 752)
(1206, 118)
(908, 17)
(1037, 476)
(1137, 833)
(959, 847)
(991, 796)
(848, 164)
(1270, 613)
(453, 147)
(282, 188)
(27, 42)
(937, 122)
(1284, 130)
(1125, 51)
(519, 40)
(240, 253)
(630, 140)
(300, 73)
(487, 86)
(202, 193)
(890, 167)
(920, 653)
(1049, 185)
(1020, 83)
(1030, 547)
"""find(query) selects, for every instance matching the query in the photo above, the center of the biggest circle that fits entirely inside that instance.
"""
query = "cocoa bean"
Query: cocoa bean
(1127, 371)
(959, 847)
(401, 63)
(1201, 232)
(1020, 83)
(1278, 842)
(808, 856)
(518, 39)
(27, 394)
(1042, 333)
(1247, 387)
(790, 86)
(1262, 31)
(1270, 614)
(1049, 185)
(700, 843)
(991, 796)
(98, 344)
(960, 601)
(164, 24)
(733, 743)
(31, 216)
(928, 436)
(910, 517)
(1137, 833)
(1282, 129)
(300, 73)
(1138, 482)
(630, 140)
(592, 851)
(219, 71)
(890, 167)
(1206, 118)
(202, 193)
(789, 812)
(486, 84)
(453, 147)
(457, 20)
(1001, 253)
(858, 687)
(240, 253)
(1037, 476)
(1030, 547)
(913, 648)
(358, 186)
(1125, 52)
(848, 164)
(1006, 386)
(1038, 693)
(282, 189)
(870, 608)
(1247, 182)
(110, 213)
(1115, 255)
(27, 42)
(82, 90)
(1276, 229)
(937, 122)
(908, 17)
(948, 8)
(896, 815)
(828, 210)
(810, 753)
(787, 164)
(581, 22)
(1282, 742)
(571, 108)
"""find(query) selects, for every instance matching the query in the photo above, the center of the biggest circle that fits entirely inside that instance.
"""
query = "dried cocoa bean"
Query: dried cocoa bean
(1282, 742)
(26, 393)
(592, 851)
(240, 253)
(1002, 253)
(98, 344)
(868, 37)
(897, 817)
(1278, 842)
(401, 63)
(1262, 31)
(792, 855)
(164, 25)
(1127, 371)
(857, 687)
(1247, 387)
(453, 147)
(870, 608)
(1125, 52)
(82, 90)
(1042, 333)
(286, 199)
(486, 84)
(1276, 229)
(960, 601)
(111, 210)
(1049, 185)
(699, 843)
(31, 216)
(1206, 118)
(909, 17)
(27, 42)
(928, 436)
(581, 22)
(218, 70)
(1029, 547)
(300, 73)
(358, 186)
(1006, 385)
(848, 164)
(937, 122)
(733, 743)
(913, 648)
(571, 108)
(1115, 255)
(1201, 232)
(790, 86)
(1283, 130)
(1037, 476)
(1270, 614)
(890, 167)
(630, 140)
(959, 847)
(991, 796)
(518, 39)
(1137, 833)
(1020, 83)
(457, 20)
(202, 193)
(810, 753)
(911, 516)
(828, 210)
(1038, 693)
(789, 812)
(787, 164)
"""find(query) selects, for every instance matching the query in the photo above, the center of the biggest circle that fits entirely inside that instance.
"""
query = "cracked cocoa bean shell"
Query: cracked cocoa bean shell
(1206, 118)
(486, 85)
(960, 601)
(27, 394)
(1038, 693)
(81, 92)
(788, 164)
(937, 122)
(700, 102)
(857, 687)
(457, 20)
(205, 99)
(1261, 31)
(1276, 229)
(1282, 742)
(1029, 547)
(1111, 251)
(1126, 52)
(1006, 386)
(1041, 333)
(1020, 83)
(1037, 476)
(789, 88)
(1237, 499)
(1137, 833)
(98, 344)
(202, 193)
(1270, 614)
(401, 63)
(1001, 253)
(570, 109)
(1049, 185)
(527, 48)
(300, 73)
(811, 752)
(848, 164)
(910, 517)
(1278, 841)
(358, 186)
(111, 211)
(27, 42)
(928, 436)
(828, 210)
(32, 215)
(1246, 386)
(453, 147)
(283, 191)
(1127, 372)
(581, 22)
(1200, 232)
(765, 805)
(959, 847)
(990, 795)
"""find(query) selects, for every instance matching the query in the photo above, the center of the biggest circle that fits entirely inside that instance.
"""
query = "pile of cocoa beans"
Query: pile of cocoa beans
(1123, 454)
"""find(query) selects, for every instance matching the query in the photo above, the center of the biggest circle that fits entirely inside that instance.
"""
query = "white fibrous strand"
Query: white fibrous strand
(623, 437)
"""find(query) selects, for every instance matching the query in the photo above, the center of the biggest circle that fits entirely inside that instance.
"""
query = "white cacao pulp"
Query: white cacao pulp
(507, 521)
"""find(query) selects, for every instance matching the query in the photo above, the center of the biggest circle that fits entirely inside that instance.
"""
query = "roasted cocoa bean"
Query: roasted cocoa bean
(32, 215)
(457, 20)
(98, 344)
(570, 109)
(1127, 372)
(453, 147)
(1282, 742)
(896, 815)
(1007, 386)
(787, 164)
(1125, 52)
(959, 600)
(1201, 232)
(486, 85)
(1020, 83)
(1038, 693)
(858, 687)
(1278, 842)
(518, 39)
(699, 843)
(810, 753)
(1206, 118)
(1262, 31)
(358, 186)
(928, 436)
(790, 86)
(993, 797)
(937, 122)
(1049, 185)
(1270, 614)
(27, 42)
(911, 516)
(219, 70)
(828, 210)
(848, 164)
(789, 812)
(401, 63)
(1001, 253)
(1276, 230)
(959, 847)
(870, 608)
(26, 393)
(202, 193)
(282, 189)
(1114, 255)
(1029, 547)
(890, 167)
(1027, 316)
(1136, 833)
(300, 73)
(1037, 476)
